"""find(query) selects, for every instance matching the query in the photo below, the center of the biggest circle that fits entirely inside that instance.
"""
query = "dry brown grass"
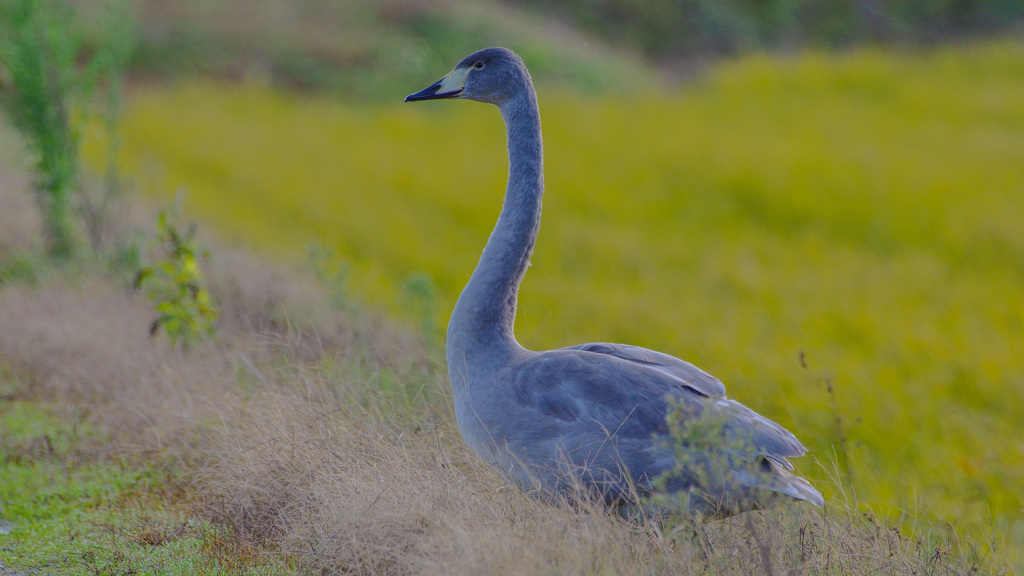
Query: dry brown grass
(329, 438)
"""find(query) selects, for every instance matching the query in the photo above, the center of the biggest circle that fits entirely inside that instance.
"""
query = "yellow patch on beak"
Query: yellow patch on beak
(454, 81)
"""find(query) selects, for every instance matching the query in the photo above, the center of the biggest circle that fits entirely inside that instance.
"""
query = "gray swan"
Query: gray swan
(616, 422)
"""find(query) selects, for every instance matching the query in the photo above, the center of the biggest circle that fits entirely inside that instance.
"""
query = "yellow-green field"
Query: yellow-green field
(853, 222)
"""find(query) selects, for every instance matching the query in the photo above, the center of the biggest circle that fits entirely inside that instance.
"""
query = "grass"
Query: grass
(308, 460)
(835, 236)
(71, 505)
(314, 439)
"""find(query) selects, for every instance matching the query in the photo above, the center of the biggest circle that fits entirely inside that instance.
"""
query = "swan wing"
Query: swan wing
(694, 377)
(608, 415)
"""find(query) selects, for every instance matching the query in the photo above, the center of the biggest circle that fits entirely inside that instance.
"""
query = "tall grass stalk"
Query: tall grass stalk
(47, 100)
(39, 52)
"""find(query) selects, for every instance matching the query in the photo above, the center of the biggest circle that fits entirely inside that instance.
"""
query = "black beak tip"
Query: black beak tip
(427, 93)
(432, 93)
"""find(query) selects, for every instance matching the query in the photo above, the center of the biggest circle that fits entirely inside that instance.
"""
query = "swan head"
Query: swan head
(492, 75)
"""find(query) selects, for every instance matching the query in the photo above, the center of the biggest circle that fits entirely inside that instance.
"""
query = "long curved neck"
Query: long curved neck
(480, 333)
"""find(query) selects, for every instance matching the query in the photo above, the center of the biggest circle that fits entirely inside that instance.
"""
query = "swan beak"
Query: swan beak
(451, 86)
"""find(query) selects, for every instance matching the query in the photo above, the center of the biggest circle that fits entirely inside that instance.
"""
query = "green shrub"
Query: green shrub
(176, 285)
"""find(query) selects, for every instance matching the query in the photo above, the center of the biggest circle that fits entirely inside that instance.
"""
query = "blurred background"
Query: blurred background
(821, 202)
(356, 48)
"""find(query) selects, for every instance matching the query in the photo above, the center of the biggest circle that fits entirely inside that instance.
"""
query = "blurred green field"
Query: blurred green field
(788, 224)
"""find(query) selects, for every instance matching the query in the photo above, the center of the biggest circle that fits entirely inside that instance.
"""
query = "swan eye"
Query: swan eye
(478, 65)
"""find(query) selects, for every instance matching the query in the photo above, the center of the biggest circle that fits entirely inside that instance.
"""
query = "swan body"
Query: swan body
(615, 421)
